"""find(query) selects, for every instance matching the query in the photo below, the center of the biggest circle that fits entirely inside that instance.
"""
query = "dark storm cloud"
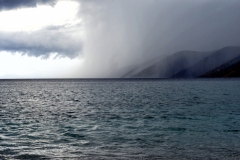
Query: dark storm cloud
(15, 4)
(42, 43)
(125, 32)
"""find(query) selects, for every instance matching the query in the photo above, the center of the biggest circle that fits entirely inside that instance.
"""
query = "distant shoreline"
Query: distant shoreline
(118, 79)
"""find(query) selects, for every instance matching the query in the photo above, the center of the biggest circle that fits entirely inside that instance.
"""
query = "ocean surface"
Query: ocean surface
(120, 119)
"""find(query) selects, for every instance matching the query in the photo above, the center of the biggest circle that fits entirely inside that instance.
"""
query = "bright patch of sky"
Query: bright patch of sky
(22, 66)
(31, 19)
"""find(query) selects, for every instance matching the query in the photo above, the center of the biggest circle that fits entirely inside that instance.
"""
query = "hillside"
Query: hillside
(209, 63)
(227, 70)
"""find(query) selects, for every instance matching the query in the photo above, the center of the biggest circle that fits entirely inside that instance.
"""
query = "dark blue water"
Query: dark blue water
(120, 119)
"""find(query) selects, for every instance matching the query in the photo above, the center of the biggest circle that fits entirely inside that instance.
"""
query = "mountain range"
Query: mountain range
(224, 62)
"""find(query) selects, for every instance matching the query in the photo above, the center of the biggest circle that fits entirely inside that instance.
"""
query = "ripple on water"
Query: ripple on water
(134, 119)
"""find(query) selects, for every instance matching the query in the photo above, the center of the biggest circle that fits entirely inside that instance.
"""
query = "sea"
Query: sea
(120, 119)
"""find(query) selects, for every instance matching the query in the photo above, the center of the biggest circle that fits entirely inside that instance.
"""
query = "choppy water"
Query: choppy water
(120, 119)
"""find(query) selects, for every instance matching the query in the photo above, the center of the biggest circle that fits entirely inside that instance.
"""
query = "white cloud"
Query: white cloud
(32, 19)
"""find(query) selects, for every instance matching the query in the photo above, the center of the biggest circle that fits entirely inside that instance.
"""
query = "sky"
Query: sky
(94, 38)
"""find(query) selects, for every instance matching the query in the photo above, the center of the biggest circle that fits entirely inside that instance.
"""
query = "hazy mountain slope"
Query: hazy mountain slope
(169, 65)
(143, 66)
(119, 72)
(229, 69)
(209, 63)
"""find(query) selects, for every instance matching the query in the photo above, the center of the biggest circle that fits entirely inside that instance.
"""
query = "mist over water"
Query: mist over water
(126, 119)
(120, 34)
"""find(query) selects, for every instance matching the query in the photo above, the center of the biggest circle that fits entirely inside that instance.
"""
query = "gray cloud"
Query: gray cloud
(64, 40)
(122, 33)
(15, 4)
(54, 39)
